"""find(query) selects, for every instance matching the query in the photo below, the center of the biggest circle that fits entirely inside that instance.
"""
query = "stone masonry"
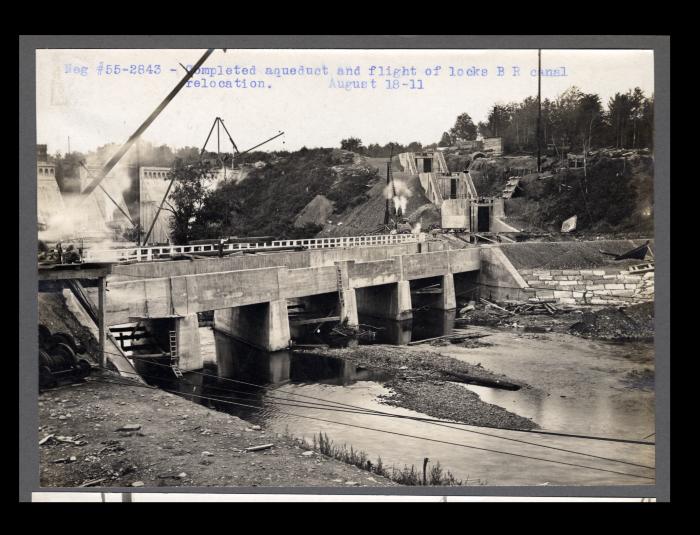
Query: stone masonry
(604, 286)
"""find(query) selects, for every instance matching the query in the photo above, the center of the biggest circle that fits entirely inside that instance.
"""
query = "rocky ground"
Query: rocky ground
(108, 433)
(426, 382)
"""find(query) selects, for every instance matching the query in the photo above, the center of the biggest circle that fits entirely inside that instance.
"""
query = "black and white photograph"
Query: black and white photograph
(345, 268)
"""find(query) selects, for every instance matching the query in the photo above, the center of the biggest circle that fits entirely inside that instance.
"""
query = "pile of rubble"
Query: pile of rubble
(635, 322)
(533, 305)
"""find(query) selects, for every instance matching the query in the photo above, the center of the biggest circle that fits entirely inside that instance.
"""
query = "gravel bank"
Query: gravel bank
(417, 383)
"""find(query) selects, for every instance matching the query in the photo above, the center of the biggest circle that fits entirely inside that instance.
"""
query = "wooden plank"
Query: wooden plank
(261, 447)
(310, 321)
(101, 324)
(495, 305)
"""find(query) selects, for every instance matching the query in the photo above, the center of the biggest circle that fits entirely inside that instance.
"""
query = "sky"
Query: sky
(412, 100)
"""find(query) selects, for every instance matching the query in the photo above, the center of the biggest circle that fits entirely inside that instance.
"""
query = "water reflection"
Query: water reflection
(584, 399)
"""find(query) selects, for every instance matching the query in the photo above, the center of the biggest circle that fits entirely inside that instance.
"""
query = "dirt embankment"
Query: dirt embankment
(168, 441)
(571, 254)
(424, 381)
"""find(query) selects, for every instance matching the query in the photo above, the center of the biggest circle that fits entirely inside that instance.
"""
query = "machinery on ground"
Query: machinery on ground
(59, 360)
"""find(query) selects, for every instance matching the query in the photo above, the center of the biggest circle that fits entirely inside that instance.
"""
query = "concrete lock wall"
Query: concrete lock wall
(604, 286)
(454, 213)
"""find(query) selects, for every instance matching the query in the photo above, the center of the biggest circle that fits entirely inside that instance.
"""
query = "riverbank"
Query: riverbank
(424, 381)
(109, 433)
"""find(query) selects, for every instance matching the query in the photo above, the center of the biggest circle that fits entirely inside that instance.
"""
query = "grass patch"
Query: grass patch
(434, 476)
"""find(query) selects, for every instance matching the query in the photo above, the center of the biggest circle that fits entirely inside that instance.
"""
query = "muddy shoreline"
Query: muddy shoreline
(417, 382)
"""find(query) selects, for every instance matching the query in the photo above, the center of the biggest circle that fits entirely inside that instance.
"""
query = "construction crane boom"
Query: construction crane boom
(140, 130)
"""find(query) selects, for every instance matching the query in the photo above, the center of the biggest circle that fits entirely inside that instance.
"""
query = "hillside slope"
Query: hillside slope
(614, 194)
(333, 192)
(271, 198)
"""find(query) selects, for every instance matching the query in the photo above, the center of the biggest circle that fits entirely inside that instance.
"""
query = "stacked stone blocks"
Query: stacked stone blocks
(604, 286)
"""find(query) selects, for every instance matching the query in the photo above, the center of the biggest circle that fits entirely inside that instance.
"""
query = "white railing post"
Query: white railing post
(146, 254)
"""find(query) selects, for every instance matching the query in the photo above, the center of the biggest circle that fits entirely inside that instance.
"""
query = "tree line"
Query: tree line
(574, 121)
(375, 150)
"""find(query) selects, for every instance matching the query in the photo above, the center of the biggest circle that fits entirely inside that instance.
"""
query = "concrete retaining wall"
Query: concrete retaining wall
(605, 286)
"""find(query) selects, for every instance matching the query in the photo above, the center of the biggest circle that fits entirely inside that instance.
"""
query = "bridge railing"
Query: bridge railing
(146, 254)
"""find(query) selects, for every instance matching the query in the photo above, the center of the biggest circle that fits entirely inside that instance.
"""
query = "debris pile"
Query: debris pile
(632, 323)
(489, 311)
(534, 306)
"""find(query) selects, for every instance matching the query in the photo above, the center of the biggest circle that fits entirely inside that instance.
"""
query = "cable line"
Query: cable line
(534, 431)
(370, 413)
(426, 438)
(379, 413)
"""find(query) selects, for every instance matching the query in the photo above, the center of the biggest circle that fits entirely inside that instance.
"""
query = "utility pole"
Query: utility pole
(138, 184)
(539, 107)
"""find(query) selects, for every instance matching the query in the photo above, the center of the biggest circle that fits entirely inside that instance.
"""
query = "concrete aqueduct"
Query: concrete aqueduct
(249, 294)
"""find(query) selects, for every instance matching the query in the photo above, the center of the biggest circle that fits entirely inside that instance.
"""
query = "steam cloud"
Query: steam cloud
(403, 192)
(91, 219)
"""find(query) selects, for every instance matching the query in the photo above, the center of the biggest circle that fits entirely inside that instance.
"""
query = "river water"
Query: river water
(577, 386)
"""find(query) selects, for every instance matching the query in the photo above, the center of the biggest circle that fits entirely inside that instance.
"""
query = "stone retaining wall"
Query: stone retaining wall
(604, 286)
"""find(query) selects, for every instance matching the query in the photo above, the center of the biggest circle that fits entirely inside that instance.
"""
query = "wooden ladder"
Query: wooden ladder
(174, 358)
(339, 275)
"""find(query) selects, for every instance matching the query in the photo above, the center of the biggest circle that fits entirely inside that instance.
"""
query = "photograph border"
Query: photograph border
(28, 279)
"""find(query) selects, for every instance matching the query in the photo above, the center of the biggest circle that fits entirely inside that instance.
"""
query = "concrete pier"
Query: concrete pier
(388, 301)
(189, 351)
(447, 301)
(265, 325)
(348, 307)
